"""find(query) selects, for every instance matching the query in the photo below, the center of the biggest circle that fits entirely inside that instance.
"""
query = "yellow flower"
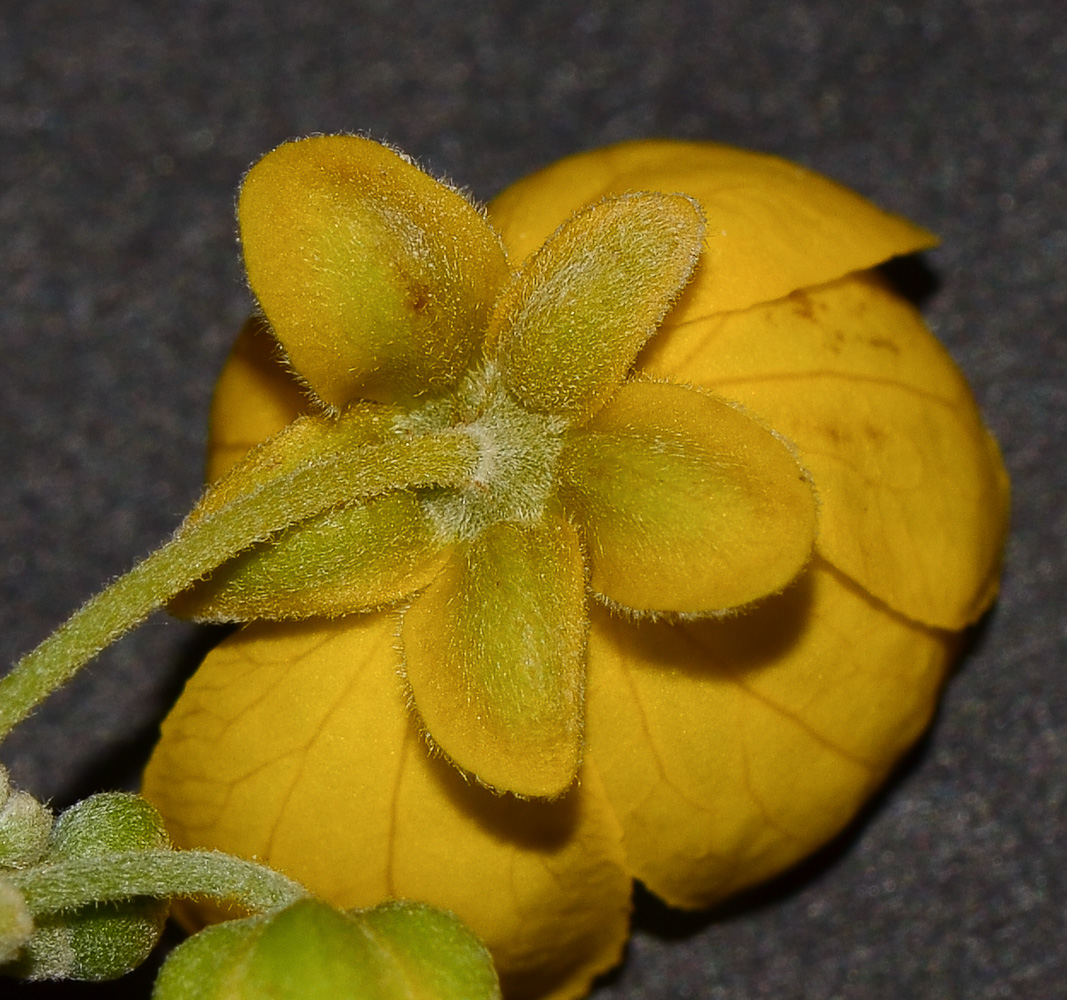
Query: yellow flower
(667, 498)
(714, 751)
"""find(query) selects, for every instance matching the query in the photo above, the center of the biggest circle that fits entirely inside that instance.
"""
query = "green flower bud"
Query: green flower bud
(106, 823)
(24, 827)
(310, 951)
(106, 940)
(439, 956)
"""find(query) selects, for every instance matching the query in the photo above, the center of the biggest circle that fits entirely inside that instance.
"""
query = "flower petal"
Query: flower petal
(730, 749)
(376, 278)
(359, 557)
(687, 504)
(913, 491)
(773, 227)
(255, 397)
(494, 653)
(571, 322)
(292, 744)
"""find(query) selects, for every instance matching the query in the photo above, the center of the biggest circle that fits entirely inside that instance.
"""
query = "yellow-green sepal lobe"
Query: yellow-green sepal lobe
(440, 957)
(494, 655)
(202, 967)
(376, 278)
(686, 503)
(358, 557)
(569, 325)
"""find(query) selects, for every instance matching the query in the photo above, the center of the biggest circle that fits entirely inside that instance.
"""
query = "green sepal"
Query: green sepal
(93, 944)
(106, 823)
(374, 548)
(376, 278)
(571, 323)
(206, 965)
(357, 558)
(686, 503)
(441, 958)
(494, 653)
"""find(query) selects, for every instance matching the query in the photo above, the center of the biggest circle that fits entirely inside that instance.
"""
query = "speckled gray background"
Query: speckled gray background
(124, 128)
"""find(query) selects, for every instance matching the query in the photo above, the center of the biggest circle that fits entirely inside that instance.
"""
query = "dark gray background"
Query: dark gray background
(124, 128)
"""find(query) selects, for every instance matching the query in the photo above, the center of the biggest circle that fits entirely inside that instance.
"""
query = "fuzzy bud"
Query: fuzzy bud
(106, 940)
(24, 827)
(310, 951)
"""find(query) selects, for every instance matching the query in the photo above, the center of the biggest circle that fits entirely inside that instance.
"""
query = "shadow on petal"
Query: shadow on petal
(752, 639)
(529, 824)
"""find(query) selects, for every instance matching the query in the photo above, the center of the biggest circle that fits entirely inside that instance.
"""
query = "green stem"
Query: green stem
(327, 478)
(162, 874)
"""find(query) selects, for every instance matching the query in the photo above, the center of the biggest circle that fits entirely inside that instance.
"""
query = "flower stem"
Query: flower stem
(328, 478)
(161, 874)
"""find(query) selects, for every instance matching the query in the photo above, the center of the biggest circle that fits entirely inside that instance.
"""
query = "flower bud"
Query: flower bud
(106, 940)
(310, 951)
(24, 827)
(107, 823)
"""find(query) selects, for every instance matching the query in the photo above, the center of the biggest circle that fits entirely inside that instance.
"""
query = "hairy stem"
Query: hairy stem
(326, 478)
(162, 874)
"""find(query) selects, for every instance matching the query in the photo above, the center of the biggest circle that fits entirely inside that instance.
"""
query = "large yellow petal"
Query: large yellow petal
(293, 744)
(494, 652)
(686, 503)
(731, 749)
(773, 227)
(914, 494)
(572, 321)
(255, 397)
(376, 278)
